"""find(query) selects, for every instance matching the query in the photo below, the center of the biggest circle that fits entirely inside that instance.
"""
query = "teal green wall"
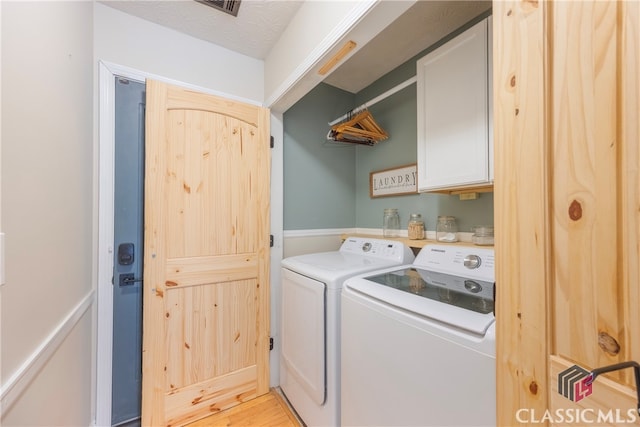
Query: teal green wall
(319, 176)
(328, 187)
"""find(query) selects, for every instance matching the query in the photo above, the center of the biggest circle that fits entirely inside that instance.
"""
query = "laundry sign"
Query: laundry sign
(394, 181)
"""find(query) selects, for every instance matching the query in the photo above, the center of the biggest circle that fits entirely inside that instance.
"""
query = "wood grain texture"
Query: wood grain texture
(211, 269)
(521, 207)
(206, 294)
(153, 366)
(595, 140)
(417, 244)
(584, 175)
(212, 329)
(267, 410)
(629, 133)
(211, 396)
(567, 199)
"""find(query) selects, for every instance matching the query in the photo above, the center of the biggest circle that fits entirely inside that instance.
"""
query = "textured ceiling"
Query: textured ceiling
(260, 23)
(253, 32)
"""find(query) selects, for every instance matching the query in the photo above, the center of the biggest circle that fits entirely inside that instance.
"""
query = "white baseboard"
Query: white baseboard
(20, 380)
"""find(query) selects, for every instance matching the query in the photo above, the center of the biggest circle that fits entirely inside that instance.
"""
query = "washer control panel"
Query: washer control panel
(465, 261)
(472, 261)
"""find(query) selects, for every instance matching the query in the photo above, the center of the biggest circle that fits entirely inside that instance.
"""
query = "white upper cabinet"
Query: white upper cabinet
(454, 134)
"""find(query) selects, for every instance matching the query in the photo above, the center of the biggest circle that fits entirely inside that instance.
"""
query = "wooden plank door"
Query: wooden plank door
(567, 192)
(595, 202)
(206, 261)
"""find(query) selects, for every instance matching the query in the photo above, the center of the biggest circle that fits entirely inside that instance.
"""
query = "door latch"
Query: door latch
(128, 279)
(631, 364)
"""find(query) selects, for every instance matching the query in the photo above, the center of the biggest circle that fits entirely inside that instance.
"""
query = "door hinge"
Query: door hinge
(272, 143)
(270, 343)
(270, 240)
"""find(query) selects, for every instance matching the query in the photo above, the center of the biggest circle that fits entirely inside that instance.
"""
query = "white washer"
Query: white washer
(311, 286)
(418, 342)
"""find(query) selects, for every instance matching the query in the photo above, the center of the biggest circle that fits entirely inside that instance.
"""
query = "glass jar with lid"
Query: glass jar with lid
(483, 235)
(391, 223)
(415, 227)
(447, 229)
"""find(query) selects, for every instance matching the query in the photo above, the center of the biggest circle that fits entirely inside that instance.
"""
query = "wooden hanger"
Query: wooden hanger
(361, 128)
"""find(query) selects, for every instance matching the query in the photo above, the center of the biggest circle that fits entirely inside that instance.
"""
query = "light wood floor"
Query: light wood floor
(268, 410)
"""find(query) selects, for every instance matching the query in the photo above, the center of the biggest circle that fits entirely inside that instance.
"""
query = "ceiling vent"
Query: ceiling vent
(228, 6)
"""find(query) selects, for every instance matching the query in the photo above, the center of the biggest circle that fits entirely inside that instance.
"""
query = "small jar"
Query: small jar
(447, 229)
(415, 228)
(483, 235)
(391, 223)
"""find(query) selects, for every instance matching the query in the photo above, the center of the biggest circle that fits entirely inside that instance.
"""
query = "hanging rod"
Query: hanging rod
(377, 99)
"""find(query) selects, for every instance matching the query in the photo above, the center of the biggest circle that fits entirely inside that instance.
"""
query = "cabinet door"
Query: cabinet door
(453, 133)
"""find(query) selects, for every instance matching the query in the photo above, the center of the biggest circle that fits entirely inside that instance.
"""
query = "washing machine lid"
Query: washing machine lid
(452, 301)
(332, 268)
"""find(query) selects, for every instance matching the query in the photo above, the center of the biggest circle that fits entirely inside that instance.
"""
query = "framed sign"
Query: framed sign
(394, 181)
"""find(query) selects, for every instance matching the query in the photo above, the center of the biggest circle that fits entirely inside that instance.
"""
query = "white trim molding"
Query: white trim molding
(104, 344)
(141, 76)
(20, 380)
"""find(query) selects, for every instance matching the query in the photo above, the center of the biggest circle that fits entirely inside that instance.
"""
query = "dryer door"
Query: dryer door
(303, 333)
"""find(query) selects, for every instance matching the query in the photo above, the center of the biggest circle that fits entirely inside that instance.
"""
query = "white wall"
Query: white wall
(300, 243)
(47, 170)
(135, 43)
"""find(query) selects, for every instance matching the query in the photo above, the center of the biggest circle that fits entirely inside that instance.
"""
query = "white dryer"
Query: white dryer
(311, 286)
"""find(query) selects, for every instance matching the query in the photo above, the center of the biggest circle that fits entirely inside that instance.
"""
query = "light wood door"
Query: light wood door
(567, 194)
(206, 261)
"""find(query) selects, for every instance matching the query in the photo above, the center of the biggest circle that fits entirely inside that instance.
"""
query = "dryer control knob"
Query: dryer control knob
(366, 247)
(472, 261)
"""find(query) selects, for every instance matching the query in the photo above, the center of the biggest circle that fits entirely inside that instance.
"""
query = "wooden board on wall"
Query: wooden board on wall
(567, 191)
(521, 212)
